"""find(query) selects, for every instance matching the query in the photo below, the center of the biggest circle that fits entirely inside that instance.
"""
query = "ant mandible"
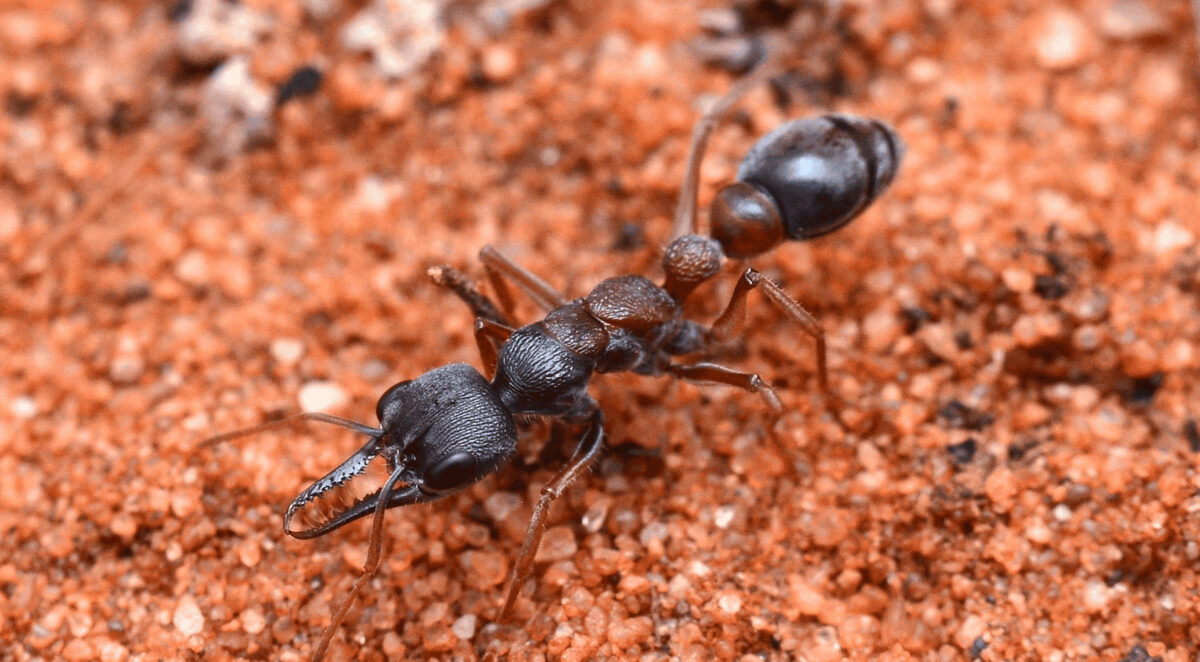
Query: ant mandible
(452, 427)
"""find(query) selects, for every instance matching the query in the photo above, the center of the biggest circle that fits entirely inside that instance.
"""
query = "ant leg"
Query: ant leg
(499, 267)
(735, 312)
(453, 279)
(710, 372)
(685, 209)
(374, 554)
(489, 335)
(585, 453)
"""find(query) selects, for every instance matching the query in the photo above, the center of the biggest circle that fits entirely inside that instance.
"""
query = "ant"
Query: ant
(452, 426)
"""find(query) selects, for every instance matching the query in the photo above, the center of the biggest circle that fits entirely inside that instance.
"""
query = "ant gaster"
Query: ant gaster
(451, 427)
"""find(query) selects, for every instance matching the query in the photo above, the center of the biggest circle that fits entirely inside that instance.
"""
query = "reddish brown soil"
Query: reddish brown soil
(1015, 325)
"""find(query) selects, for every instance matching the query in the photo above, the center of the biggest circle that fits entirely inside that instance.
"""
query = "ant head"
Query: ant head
(805, 179)
(439, 433)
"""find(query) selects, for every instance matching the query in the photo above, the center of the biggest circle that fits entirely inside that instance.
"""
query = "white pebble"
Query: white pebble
(464, 627)
(187, 618)
(23, 406)
(723, 517)
(287, 351)
(320, 396)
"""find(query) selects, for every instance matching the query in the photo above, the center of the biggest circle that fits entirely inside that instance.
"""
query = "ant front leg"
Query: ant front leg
(585, 453)
(454, 280)
(499, 267)
(736, 309)
(491, 326)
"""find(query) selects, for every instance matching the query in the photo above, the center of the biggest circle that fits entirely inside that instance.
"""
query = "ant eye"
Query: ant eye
(451, 473)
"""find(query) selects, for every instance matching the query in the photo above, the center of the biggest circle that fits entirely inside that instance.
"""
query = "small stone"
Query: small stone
(484, 568)
(111, 651)
(393, 646)
(253, 621)
(1018, 280)
(558, 544)
(499, 505)
(1127, 20)
(1061, 40)
(1170, 237)
(123, 526)
(630, 632)
(23, 406)
(192, 268)
(805, 597)
(126, 368)
(1001, 488)
(730, 603)
(651, 532)
(249, 552)
(1096, 596)
(881, 328)
(723, 516)
(830, 526)
(78, 650)
(320, 396)
(464, 627)
(187, 617)
(287, 351)
(971, 629)
(500, 62)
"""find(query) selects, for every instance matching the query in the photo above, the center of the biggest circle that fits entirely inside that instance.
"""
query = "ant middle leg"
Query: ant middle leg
(585, 453)
(719, 374)
(499, 267)
(736, 309)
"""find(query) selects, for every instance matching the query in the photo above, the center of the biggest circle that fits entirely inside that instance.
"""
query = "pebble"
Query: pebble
(23, 406)
(253, 621)
(881, 328)
(321, 396)
(400, 36)
(193, 268)
(558, 544)
(630, 632)
(484, 568)
(464, 627)
(1127, 20)
(499, 62)
(730, 603)
(499, 505)
(249, 552)
(1001, 488)
(971, 629)
(1096, 596)
(1061, 40)
(287, 351)
(187, 617)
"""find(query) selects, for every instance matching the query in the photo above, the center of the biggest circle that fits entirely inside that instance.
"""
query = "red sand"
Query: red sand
(1015, 324)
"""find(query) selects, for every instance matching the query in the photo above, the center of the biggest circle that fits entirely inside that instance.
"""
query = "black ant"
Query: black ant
(451, 427)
